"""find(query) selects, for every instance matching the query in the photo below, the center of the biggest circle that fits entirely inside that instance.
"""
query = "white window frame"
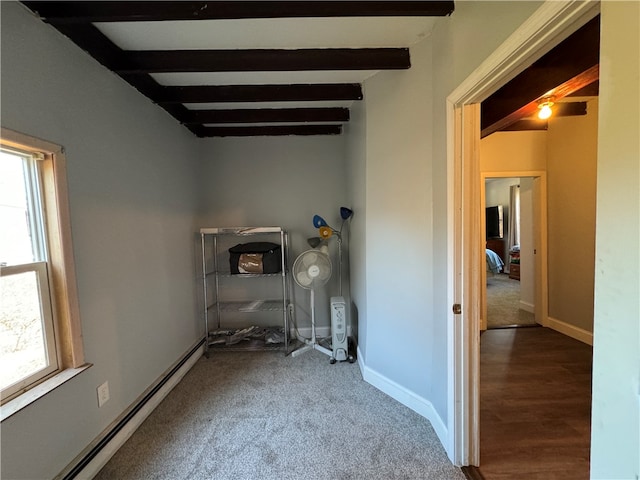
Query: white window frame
(56, 273)
(51, 351)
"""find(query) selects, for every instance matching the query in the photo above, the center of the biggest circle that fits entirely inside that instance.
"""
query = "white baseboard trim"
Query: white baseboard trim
(527, 307)
(407, 398)
(99, 452)
(320, 332)
(570, 330)
(306, 332)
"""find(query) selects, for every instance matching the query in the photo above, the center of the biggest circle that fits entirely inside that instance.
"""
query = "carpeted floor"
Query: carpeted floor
(261, 415)
(503, 303)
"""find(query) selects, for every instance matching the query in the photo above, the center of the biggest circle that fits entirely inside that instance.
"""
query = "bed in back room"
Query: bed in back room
(494, 262)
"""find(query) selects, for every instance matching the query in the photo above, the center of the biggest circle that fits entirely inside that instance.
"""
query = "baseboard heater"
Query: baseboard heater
(82, 463)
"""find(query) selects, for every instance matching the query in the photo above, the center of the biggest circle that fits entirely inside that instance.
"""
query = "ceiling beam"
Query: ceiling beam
(575, 55)
(266, 115)
(275, 130)
(591, 90)
(570, 109)
(90, 39)
(526, 124)
(561, 91)
(260, 93)
(122, 11)
(74, 19)
(94, 42)
(262, 60)
(565, 109)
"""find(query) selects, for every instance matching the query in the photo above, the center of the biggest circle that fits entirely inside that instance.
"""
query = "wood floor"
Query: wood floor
(535, 405)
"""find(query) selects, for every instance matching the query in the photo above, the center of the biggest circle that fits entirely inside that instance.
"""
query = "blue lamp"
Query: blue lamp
(321, 223)
(345, 212)
(318, 221)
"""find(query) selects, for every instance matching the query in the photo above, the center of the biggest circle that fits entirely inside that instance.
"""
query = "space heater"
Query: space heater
(339, 340)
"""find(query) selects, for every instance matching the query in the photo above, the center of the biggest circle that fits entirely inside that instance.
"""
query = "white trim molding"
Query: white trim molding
(572, 331)
(407, 398)
(527, 307)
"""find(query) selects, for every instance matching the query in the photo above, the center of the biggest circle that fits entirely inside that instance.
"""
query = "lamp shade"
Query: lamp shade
(325, 232)
(318, 221)
(314, 241)
(345, 212)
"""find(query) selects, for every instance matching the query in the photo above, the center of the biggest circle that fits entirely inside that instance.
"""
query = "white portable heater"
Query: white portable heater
(339, 340)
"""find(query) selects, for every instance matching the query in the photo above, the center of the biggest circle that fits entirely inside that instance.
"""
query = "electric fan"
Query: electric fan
(312, 269)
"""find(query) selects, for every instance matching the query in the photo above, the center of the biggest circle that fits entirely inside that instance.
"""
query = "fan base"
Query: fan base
(310, 346)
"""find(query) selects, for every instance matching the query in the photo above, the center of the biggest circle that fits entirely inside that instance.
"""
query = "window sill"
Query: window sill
(39, 391)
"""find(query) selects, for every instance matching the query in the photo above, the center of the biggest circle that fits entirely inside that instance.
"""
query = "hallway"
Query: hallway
(535, 405)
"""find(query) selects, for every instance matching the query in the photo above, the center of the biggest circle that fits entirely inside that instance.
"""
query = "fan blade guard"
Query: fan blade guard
(312, 269)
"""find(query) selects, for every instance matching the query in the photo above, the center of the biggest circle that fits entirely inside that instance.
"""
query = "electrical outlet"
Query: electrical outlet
(103, 394)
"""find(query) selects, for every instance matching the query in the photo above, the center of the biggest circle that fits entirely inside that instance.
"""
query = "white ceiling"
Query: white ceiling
(353, 32)
(273, 33)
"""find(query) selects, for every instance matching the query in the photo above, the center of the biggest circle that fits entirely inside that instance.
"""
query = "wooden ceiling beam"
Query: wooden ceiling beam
(530, 109)
(578, 53)
(275, 130)
(260, 93)
(561, 91)
(263, 60)
(74, 19)
(565, 109)
(267, 115)
(526, 124)
(591, 90)
(570, 109)
(137, 11)
(96, 44)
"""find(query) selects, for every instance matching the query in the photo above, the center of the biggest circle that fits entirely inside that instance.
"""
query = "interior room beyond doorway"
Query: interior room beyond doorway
(509, 222)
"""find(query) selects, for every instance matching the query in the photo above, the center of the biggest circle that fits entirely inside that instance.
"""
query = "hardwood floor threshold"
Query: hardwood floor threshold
(472, 473)
(514, 326)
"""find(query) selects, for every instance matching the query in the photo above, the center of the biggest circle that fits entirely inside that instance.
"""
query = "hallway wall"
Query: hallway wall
(572, 145)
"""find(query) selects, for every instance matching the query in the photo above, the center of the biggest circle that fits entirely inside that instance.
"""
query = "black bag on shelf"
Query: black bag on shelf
(255, 257)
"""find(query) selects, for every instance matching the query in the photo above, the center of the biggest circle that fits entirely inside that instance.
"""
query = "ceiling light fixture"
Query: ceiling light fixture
(544, 109)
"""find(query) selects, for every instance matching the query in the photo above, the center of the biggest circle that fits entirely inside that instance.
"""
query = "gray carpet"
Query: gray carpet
(503, 303)
(261, 415)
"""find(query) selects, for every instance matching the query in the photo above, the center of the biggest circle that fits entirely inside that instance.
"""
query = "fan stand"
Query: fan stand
(311, 344)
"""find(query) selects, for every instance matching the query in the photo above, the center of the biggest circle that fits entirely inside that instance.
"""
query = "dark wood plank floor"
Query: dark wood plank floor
(535, 405)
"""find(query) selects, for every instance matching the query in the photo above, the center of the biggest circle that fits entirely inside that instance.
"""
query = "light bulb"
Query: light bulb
(545, 110)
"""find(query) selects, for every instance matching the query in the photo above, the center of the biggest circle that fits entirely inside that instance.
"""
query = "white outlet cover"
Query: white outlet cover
(103, 394)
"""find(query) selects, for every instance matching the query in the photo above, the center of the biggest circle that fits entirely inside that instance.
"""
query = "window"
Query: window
(39, 324)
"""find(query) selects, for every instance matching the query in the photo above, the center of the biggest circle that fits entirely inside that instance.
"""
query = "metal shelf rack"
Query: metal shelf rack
(234, 314)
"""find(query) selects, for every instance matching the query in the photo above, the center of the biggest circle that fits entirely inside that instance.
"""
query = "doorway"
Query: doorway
(544, 29)
(509, 282)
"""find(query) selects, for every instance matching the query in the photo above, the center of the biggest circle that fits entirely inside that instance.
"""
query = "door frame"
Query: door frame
(541, 279)
(548, 26)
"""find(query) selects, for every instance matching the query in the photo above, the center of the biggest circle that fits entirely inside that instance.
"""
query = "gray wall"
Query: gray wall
(398, 224)
(400, 287)
(356, 160)
(132, 174)
(281, 181)
(460, 43)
